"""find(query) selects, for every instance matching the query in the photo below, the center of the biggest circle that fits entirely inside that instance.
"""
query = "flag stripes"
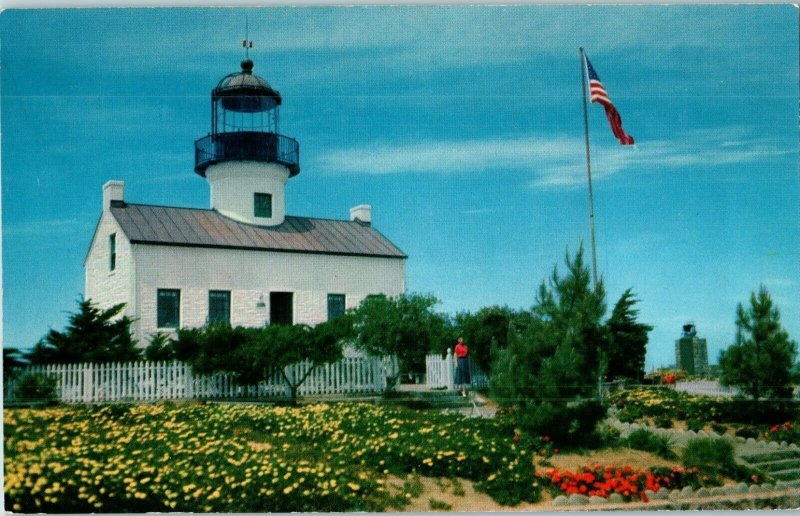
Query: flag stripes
(598, 94)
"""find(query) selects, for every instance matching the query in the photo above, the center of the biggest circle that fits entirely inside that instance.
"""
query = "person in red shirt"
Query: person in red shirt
(463, 371)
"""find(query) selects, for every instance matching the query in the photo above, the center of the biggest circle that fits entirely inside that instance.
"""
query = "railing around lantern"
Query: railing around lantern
(247, 146)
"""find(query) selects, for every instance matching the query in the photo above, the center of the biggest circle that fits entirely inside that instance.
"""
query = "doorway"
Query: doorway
(281, 308)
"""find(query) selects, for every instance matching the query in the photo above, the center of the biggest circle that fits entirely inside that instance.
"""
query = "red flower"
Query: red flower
(546, 438)
(516, 438)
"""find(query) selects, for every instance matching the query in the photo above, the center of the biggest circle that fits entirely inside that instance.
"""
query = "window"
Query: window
(169, 308)
(262, 205)
(112, 247)
(280, 308)
(335, 306)
(219, 306)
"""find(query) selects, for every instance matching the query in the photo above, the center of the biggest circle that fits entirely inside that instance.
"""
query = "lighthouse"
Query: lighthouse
(244, 262)
(245, 159)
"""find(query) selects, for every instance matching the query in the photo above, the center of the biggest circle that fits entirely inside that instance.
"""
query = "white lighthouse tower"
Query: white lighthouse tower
(245, 159)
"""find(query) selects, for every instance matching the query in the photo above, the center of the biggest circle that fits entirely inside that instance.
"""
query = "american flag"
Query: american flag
(597, 93)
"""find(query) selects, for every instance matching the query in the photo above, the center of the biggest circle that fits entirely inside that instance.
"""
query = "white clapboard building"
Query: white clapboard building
(243, 261)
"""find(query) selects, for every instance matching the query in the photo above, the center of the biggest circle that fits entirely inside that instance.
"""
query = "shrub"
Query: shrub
(573, 424)
(664, 421)
(787, 431)
(607, 437)
(438, 505)
(704, 452)
(648, 441)
(695, 425)
(720, 429)
(747, 432)
(160, 348)
(37, 387)
(715, 459)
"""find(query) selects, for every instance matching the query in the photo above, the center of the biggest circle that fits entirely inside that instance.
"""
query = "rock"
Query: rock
(702, 433)
(597, 500)
(741, 488)
(674, 494)
(578, 499)
(728, 490)
(793, 446)
(616, 498)
(692, 433)
(686, 491)
(784, 444)
(560, 501)
(718, 491)
(635, 426)
(781, 484)
(751, 440)
(661, 494)
(773, 444)
(755, 488)
(740, 439)
(768, 487)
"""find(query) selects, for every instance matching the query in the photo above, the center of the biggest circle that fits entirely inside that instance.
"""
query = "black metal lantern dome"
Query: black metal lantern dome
(244, 124)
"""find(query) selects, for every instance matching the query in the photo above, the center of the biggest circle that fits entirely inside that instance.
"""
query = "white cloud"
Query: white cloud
(554, 162)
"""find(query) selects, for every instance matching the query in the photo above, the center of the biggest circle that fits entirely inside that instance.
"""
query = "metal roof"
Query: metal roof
(162, 225)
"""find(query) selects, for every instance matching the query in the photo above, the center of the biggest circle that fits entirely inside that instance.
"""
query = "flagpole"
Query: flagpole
(588, 165)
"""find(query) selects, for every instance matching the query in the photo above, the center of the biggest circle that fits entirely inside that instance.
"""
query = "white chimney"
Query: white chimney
(112, 191)
(361, 213)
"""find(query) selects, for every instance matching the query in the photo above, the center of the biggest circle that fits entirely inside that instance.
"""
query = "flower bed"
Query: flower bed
(635, 404)
(629, 483)
(659, 405)
(238, 458)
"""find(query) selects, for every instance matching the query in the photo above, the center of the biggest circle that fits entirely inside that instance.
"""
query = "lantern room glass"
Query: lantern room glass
(235, 120)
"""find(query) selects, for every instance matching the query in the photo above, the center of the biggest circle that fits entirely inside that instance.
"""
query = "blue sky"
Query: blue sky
(461, 126)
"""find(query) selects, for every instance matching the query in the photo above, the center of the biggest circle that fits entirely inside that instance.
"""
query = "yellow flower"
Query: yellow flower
(353, 486)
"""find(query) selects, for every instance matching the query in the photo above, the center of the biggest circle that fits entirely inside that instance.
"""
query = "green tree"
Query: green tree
(405, 326)
(92, 335)
(485, 332)
(13, 361)
(253, 353)
(627, 340)
(549, 370)
(760, 362)
(161, 348)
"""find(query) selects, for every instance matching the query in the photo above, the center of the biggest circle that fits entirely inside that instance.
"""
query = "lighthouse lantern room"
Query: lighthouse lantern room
(245, 159)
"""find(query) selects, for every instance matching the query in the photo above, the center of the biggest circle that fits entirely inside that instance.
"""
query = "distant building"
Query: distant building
(691, 352)
(243, 261)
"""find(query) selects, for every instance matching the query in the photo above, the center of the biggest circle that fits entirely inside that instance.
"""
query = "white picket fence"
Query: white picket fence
(707, 388)
(440, 372)
(151, 381)
(713, 388)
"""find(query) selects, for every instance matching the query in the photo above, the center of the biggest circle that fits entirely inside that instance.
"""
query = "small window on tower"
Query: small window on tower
(112, 248)
(262, 205)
